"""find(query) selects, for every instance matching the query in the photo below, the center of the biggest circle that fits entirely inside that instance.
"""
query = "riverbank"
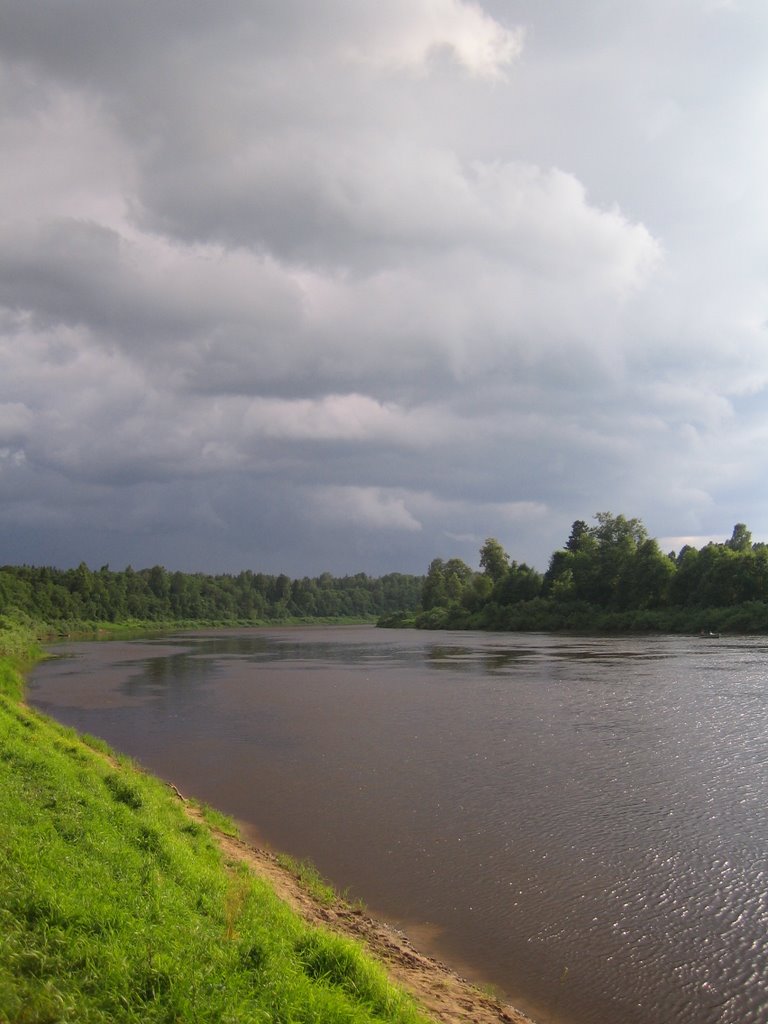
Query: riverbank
(120, 902)
(437, 988)
(547, 615)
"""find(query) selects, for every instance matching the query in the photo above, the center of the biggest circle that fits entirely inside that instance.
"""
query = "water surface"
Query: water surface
(581, 822)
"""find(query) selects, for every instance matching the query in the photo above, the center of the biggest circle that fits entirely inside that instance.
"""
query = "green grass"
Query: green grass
(310, 878)
(217, 820)
(129, 628)
(114, 906)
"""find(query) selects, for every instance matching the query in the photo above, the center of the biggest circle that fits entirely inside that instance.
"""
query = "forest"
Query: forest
(608, 577)
(81, 595)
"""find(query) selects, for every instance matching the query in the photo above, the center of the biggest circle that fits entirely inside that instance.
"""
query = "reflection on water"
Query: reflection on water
(581, 822)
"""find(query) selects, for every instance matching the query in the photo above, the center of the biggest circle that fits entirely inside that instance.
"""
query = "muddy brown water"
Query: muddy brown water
(581, 822)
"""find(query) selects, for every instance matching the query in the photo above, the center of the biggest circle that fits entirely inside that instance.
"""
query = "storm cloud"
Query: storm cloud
(350, 286)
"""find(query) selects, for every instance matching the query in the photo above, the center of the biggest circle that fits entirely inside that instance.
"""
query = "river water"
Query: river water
(581, 822)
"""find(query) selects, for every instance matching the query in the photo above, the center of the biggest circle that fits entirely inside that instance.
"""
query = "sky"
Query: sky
(346, 286)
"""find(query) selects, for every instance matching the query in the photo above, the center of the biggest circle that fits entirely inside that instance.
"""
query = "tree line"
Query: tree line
(156, 595)
(608, 576)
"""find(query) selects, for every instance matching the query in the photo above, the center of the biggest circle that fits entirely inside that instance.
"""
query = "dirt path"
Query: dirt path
(442, 993)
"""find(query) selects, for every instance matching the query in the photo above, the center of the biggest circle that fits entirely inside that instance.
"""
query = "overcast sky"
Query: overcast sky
(297, 285)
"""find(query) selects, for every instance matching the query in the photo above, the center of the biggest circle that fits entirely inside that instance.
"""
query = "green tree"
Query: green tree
(433, 591)
(579, 533)
(457, 576)
(741, 538)
(601, 563)
(494, 560)
(646, 578)
(558, 582)
(520, 583)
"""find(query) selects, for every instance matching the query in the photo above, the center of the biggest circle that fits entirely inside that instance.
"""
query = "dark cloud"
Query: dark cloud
(348, 285)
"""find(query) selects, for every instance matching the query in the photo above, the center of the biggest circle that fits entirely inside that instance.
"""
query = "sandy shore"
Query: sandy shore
(440, 991)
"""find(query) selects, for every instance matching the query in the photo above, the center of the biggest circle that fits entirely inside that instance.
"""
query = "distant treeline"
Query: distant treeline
(608, 577)
(157, 595)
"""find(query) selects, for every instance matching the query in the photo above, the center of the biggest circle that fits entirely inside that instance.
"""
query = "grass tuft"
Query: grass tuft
(311, 879)
(218, 821)
(123, 791)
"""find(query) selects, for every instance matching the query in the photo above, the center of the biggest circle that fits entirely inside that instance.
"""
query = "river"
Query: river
(581, 822)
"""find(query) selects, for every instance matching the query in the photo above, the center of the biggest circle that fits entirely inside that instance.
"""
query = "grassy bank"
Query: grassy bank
(114, 906)
(549, 616)
(75, 628)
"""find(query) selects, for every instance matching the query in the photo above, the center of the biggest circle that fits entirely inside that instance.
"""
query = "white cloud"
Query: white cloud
(350, 417)
(62, 154)
(366, 507)
(406, 34)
